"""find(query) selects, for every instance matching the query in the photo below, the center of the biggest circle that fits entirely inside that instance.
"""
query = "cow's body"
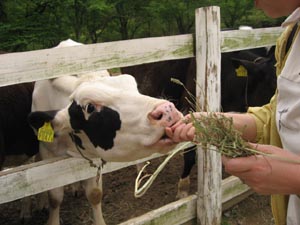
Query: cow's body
(18, 142)
(100, 116)
(16, 136)
(237, 92)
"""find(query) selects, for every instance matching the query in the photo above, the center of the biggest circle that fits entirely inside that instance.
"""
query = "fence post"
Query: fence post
(208, 88)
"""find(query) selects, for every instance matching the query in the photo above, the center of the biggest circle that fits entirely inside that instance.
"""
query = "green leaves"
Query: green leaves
(36, 24)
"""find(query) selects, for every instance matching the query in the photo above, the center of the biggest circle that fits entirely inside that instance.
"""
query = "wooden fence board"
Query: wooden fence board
(247, 39)
(208, 96)
(177, 212)
(184, 210)
(41, 176)
(49, 63)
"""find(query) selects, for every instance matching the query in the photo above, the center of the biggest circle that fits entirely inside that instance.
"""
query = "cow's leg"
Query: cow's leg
(26, 205)
(93, 191)
(42, 201)
(55, 199)
(189, 157)
(2, 147)
(75, 189)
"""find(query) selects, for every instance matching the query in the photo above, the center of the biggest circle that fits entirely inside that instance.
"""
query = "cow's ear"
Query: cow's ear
(238, 62)
(240, 69)
(243, 67)
(38, 119)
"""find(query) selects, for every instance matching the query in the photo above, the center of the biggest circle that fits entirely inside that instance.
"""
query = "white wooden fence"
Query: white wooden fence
(214, 194)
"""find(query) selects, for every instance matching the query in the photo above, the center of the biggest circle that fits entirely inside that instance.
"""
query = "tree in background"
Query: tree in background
(175, 16)
(2, 12)
(36, 24)
(99, 16)
(129, 16)
(233, 12)
(33, 24)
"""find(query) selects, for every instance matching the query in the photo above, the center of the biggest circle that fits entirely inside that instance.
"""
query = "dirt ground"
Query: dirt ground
(120, 205)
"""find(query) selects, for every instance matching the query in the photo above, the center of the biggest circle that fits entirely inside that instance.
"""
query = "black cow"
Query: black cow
(16, 136)
(237, 92)
(247, 79)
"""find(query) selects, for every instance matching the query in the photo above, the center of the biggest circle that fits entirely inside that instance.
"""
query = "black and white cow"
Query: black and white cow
(101, 116)
(253, 86)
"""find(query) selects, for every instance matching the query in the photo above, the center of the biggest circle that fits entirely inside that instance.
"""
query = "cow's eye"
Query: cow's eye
(89, 108)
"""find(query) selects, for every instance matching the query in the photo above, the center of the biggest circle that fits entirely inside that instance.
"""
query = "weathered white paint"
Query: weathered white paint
(48, 174)
(49, 63)
(235, 40)
(208, 92)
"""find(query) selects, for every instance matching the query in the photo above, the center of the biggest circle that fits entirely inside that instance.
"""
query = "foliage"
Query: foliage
(36, 24)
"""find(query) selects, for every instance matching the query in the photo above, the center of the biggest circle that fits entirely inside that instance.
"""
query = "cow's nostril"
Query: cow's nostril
(165, 114)
(157, 116)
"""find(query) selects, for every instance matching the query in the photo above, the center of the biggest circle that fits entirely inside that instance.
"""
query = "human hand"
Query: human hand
(181, 131)
(274, 174)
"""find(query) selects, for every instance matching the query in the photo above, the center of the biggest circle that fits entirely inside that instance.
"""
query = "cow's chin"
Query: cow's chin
(162, 145)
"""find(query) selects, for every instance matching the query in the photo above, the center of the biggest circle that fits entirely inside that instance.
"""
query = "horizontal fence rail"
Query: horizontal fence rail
(184, 210)
(26, 180)
(50, 63)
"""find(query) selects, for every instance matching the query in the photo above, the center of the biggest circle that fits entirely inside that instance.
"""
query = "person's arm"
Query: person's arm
(185, 131)
(245, 123)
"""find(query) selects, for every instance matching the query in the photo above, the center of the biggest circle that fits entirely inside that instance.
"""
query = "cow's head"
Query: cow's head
(260, 77)
(108, 117)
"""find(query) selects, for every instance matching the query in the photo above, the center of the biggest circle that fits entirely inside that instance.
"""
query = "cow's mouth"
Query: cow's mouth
(164, 136)
(162, 141)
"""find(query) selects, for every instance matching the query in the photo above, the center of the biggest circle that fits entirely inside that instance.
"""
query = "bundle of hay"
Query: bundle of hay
(212, 128)
(216, 129)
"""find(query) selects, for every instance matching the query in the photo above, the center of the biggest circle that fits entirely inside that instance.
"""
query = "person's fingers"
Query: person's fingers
(169, 132)
(239, 165)
(262, 148)
(225, 159)
(191, 133)
(177, 133)
(184, 132)
(177, 124)
(188, 132)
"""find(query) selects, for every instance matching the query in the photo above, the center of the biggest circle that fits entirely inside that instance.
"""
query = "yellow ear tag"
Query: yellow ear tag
(241, 71)
(46, 133)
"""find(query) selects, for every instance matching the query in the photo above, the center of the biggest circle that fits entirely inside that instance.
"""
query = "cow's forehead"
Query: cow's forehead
(124, 81)
(105, 87)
